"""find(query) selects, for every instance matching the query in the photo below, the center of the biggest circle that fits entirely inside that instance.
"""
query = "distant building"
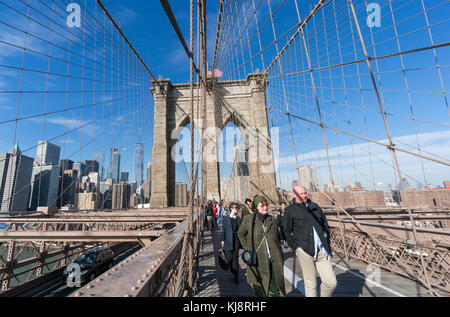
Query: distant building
(121, 194)
(447, 184)
(79, 167)
(134, 201)
(94, 178)
(124, 177)
(90, 167)
(47, 153)
(133, 187)
(68, 188)
(88, 201)
(44, 187)
(307, 177)
(139, 163)
(15, 175)
(45, 176)
(100, 158)
(104, 187)
(358, 187)
(66, 165)
(115, 165)
(348, 187)
(181, 195)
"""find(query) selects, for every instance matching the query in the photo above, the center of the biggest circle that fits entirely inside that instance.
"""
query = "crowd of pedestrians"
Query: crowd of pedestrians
(250, 233)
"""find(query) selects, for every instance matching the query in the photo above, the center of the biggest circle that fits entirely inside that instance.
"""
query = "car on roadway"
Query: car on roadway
(88, 266)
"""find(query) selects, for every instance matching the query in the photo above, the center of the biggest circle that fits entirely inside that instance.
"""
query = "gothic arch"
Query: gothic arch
(241, 102)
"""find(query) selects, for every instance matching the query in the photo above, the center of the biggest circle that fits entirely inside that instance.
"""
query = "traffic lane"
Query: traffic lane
(61, 289)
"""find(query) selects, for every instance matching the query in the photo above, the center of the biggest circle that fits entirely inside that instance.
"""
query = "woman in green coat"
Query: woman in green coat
(266, 277)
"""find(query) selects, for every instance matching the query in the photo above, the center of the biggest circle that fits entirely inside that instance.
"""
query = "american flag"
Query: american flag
(217, 73)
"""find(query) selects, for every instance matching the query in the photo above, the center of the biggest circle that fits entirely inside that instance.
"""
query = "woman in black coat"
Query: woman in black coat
(230, 239)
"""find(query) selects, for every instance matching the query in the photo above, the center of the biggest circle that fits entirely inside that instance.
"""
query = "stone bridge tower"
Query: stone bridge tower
(241, 102)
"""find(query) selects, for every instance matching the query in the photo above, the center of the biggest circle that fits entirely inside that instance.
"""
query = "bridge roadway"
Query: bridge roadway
(60, 289)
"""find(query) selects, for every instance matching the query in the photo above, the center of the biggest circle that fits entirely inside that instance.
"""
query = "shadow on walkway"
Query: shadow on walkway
(215, 282)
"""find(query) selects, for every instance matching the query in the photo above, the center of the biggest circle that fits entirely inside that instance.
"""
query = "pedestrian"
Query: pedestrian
(224, 211)
(280, 216)
(247, 208)
(230, 240)
(307, 232)
(215, 211)
(209, 216)
(259, 233)
(219, 216)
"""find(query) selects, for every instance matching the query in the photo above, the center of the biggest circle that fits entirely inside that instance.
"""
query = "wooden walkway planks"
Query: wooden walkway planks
(352, 277)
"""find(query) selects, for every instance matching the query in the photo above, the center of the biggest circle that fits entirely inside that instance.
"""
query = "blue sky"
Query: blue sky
(115, 109)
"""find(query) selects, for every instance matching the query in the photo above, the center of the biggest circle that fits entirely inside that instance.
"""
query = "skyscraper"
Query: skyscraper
(115, 165)
(307, 177)
(139, 163)
(79, 167)
(15, 174)
(66, 165)
(45, 176)
(68, 188)
(47, 153)
(121, 196)
(100, 158)
(124, 176)
(90, 167)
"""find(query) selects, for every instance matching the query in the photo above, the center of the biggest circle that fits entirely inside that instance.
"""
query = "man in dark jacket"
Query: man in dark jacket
(209, 216)
(307, 232)
(230, 240)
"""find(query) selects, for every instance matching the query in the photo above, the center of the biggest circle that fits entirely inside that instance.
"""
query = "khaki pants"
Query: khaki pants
(209, 222)
(323, 266)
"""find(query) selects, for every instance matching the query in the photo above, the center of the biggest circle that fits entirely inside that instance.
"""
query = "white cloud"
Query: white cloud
(124, 15)
(86, 128)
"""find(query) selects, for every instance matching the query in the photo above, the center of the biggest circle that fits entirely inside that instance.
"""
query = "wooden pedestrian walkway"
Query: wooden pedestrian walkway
(355, 278)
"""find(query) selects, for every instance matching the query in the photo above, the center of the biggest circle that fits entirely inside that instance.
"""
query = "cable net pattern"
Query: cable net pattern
(346, 86)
